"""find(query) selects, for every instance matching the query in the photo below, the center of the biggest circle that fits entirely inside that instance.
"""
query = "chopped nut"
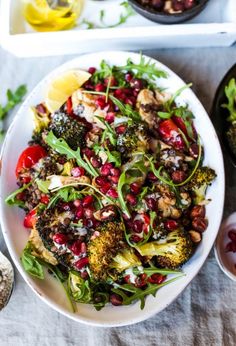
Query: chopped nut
(196, 237)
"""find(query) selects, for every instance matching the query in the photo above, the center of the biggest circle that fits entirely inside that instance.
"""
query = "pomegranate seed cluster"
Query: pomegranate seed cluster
(114, 189)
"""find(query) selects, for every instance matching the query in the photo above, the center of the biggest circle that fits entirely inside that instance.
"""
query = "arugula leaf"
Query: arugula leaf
(112, 156)
(31, 264)
(13, 98)
(125, 109)
(67, 194)
(60, 145)
(144, 68)
(110, 132)
(42, 185)
(230, 92)
(138, 293)
(12, 198)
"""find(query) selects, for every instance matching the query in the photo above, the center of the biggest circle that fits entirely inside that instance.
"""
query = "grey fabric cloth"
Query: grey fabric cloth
(204, 314)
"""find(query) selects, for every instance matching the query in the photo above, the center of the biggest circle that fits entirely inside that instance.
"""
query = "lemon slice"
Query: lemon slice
(63, 87)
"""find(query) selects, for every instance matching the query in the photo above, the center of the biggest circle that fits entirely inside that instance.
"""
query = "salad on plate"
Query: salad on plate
(113, 185)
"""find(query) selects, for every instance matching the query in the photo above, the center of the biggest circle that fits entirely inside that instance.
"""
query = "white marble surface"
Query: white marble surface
(204, 314)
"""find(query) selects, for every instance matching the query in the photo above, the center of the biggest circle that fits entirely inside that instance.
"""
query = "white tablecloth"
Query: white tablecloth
(204, 314)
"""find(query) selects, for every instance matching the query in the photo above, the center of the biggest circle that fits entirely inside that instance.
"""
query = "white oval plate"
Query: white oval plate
(16, 235)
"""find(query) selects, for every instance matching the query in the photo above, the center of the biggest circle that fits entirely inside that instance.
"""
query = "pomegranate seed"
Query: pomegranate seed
(151, 176)
(112, 193)
(100, 102)
(60, 238)
(151, 203)
(136, 83)
(115, 299)
(141, 280)
(101, 181)
(78, 172)
(156, 279)
(77, 203)
(100, 87)
(110, 117)
(120, 129)
(105, 188)
(76, 248)
(88, 85)
(135, 238)
(189, 4)
(171, 225)
(135, 188)
(122, 97)
(88, 152)
(88, 213)
(95, 161)
(177, 5)
(138, 226)
(128, 101)
(25, 180)
(82, 262)
(20, 196)
(84, 275)
(88, 222)
(131, 199)
(87, 200)
(114, 179)
(92, 70)
(44, 199)
(79, 212)
(118, 92)
(115, 172)
(128, 77)
(66, 206)
(105, 169)
(232, 235)
(127, 279)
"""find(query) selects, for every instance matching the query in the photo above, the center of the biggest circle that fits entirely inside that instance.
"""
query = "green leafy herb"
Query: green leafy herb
(110, 132)
(230, 92)
(42, 185)
(112, 156)
(12, 198)
(125, 109)
(60, 145)
(138, 293)
(128, 12)
(13, 99)
(143, 69)
(66, 194)
(31, 264)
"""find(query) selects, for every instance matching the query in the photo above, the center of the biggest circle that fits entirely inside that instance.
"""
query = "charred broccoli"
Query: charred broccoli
(202, 178)
(104, 248)
(71, 130)
(175, 251)
(134, 139)
(125, 259)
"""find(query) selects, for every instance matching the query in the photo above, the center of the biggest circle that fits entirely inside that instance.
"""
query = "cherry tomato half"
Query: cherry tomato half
(29, 157)
(30, 219)
(170, 133)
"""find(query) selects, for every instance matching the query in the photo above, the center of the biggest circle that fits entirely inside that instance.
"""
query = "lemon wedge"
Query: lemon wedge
(63, 87)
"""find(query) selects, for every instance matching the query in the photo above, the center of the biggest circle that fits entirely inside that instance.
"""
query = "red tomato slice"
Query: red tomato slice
(30, 219)
(29, 157)
(69, 106)
(170, 133)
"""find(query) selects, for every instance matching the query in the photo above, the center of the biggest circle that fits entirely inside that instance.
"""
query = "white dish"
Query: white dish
(226, 260)
(16, 235)
(215, 26)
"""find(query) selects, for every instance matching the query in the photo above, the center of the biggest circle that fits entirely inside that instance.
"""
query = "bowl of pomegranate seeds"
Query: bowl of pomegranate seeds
(225, 247)
(168, 11)
(112, 194)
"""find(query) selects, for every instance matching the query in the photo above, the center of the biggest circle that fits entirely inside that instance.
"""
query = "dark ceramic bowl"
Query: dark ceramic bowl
(167, 18)
(219, 114)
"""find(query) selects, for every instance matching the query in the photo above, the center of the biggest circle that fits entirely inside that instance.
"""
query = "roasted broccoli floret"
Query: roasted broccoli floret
(104, 248)
(134, 139)
(71, 130)
(125, 259)
(202, 178)
(175, 251)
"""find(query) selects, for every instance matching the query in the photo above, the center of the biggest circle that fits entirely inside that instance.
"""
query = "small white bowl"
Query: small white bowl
(16, 235)
(226, 260)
